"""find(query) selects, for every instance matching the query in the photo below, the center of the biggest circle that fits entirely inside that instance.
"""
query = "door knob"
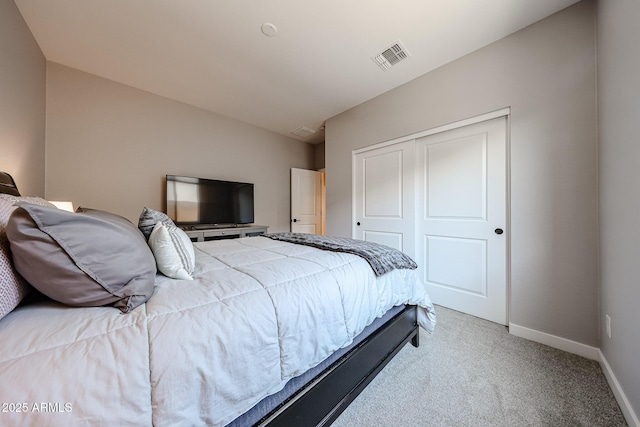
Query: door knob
(358, 223)
(499, 230)
(295, 220)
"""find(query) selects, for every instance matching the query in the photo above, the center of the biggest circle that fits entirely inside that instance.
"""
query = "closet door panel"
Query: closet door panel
(384, 196)
(461, 218)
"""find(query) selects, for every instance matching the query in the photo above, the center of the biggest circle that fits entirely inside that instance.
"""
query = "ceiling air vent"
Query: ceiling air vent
(391, 56)
(303, 132)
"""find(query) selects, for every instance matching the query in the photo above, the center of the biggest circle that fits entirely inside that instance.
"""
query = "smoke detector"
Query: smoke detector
(268, 29)
(303, 132)
(391, 56)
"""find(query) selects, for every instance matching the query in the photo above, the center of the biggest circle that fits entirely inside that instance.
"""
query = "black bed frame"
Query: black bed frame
(324, 398)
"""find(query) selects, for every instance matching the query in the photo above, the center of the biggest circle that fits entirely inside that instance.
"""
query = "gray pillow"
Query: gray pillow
(86, 259)
(149, 218)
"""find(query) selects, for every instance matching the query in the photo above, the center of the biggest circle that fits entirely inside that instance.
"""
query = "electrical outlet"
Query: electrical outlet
(608, 324)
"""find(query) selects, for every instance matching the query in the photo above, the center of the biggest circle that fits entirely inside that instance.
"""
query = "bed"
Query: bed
(267, 333)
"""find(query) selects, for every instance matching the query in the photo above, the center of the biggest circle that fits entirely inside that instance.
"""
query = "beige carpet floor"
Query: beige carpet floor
(471, 372)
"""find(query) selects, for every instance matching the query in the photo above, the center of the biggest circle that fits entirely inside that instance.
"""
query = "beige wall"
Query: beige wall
(22, 102)
(318, 155)
(619, 167)
(546, 73)
(109, 146)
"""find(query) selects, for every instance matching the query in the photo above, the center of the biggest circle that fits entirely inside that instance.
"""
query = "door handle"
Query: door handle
(294, 220)
(358, 223)
(499, 231)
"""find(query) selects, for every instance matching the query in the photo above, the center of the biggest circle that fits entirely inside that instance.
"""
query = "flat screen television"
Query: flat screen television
(199, 201)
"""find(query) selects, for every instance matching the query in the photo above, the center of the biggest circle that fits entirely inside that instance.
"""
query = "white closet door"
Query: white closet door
(384, 196)
(461, 218)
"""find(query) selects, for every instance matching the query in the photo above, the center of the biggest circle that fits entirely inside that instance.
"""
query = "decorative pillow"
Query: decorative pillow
(86, 259)
(173, 251)
(12, 288)
(149, 218)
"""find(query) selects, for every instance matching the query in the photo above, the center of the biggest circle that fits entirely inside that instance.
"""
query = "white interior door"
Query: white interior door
(461, 218)
(306, 201)
(383, 196)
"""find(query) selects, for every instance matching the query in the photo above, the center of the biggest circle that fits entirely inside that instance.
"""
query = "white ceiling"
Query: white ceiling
(212, 53)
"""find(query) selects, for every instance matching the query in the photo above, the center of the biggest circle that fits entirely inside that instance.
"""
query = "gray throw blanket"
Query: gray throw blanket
(381, 258)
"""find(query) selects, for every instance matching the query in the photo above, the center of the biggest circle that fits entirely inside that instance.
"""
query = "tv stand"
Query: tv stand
(202, 233)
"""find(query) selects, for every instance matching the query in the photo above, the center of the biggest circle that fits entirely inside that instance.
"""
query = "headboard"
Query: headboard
(8, 185)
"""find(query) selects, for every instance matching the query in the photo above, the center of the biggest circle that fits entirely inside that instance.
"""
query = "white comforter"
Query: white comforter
(200, 352)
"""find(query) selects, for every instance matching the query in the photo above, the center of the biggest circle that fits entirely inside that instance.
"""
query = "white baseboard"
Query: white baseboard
(564, 344)
(625, 406)
(583, 350)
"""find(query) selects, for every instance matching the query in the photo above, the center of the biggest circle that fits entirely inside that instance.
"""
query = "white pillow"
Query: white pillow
(173, 251)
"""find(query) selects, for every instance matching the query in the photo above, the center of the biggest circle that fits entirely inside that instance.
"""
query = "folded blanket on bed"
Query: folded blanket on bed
(381, 258)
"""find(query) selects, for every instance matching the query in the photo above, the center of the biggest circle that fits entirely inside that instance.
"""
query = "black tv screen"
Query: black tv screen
(199, 201)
